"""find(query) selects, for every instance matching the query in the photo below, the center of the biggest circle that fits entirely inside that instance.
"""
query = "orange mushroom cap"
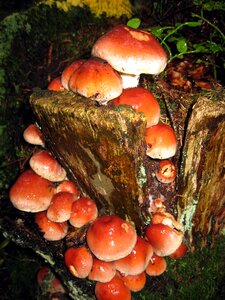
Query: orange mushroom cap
(102, 271)
(180, 252)
(161, 141)
(79, 261)
(68, 71)
(141, 100)
(111, 238)
(52, 231)
(56, 85)
(45, 165)
(164, 239)
(31, 192)
(68, 186)
(135, 283)
(156, 266)
(60, 207)
(96, 80)
(115, 289)
(33, 135)
(84, 211)
(167, 171)
(135, 262)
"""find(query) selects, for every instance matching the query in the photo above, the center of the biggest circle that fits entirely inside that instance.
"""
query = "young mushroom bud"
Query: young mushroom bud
(166, 172)
(68, 186)
(135, 283)
(69, 70)
(33, 135)
(56, 85)
(156, 266)
(102, 271)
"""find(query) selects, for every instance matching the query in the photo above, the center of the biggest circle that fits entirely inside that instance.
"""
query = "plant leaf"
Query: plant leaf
(182, 45)
(134, 23)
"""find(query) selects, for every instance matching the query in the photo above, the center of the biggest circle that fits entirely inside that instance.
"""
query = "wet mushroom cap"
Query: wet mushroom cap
(131, 51)
(52, 231)
(164, 239)
(45, 165)
(135, 283)
(97, 80)
(33, 135)
(102, 271)
(110, 238)
(156, 266)
(141, 100)
(56, 85)
(135, 262)
(79, 261)
(161, 141)
(167, 171)
(68, 71)
(180, 252)
(115, 289)
(31, 192)
(68, 186)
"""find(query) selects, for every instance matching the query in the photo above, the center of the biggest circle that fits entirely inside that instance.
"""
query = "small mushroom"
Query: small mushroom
(102, 271)
(68, 186)
(141, 100)
(52, 231)
(33, 135)
(69, 70)
(180, 252)
(156, 266)
(78, 261)
(56, 85)
(135, 283)
(167, 171)
(110, 238)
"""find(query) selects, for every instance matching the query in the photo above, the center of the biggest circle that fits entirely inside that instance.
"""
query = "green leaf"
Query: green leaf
(134, 23)
(182, 46)
(193, 24)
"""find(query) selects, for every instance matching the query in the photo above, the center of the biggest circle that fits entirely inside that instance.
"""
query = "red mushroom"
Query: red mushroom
(56, 85)
(161, 141)
(112, 290)
(163, 217)
(79, 261)
(135, 283)
(33, 135)
(68, 186)
(60, 207)
(111, 238)
(96, 80)
(102, 271)
(31, 192)
(167, 171)
(69, 70)
(45, 165)
(164, 239)
(180, 252)
(47, 280)
(141, 100)
(135, 262)
(52, 231)
(131, 52)
(84, 211)
(156, 266)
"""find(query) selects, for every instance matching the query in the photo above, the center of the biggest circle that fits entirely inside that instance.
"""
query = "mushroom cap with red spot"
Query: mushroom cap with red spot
(102, 271)
(56, 85)
(141, 100)
(161, 141)
(164, 239)
(33, 135)
(31, 192)
(45, 165)
(135, 262)
(60, 207)
(83, 211)
(68, 71)
(52, 231)
(156, 266)
(79, 261)
(131, 51)
(115, 289)
(110, 238)
(96, 80)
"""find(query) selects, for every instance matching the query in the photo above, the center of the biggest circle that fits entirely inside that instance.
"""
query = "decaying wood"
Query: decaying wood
(201, 207)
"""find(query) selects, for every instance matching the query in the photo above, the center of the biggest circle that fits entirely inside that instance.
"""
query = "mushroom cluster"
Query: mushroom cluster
(112, 254)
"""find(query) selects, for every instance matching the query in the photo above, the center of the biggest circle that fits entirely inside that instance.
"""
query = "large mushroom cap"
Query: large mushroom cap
(111, 238)
(97, 80)
(131, 51)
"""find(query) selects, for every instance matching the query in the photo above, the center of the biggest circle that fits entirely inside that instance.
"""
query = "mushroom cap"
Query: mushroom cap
(31, 192)
(33, 135)
(45, 165)
(52, 231)
(156, 266)
(111, 238)
(97, 80)
(68, 186)
(167, 171)
(115, 289)
(135, 283)
(83, 211)
(68, 71)
(135, 262)
(102, 271)
(60, 207)
(141, 100)
(56, 85)
(161, 141)
(131, 51)
(164, 239)
(79, 261)
(180, 252)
